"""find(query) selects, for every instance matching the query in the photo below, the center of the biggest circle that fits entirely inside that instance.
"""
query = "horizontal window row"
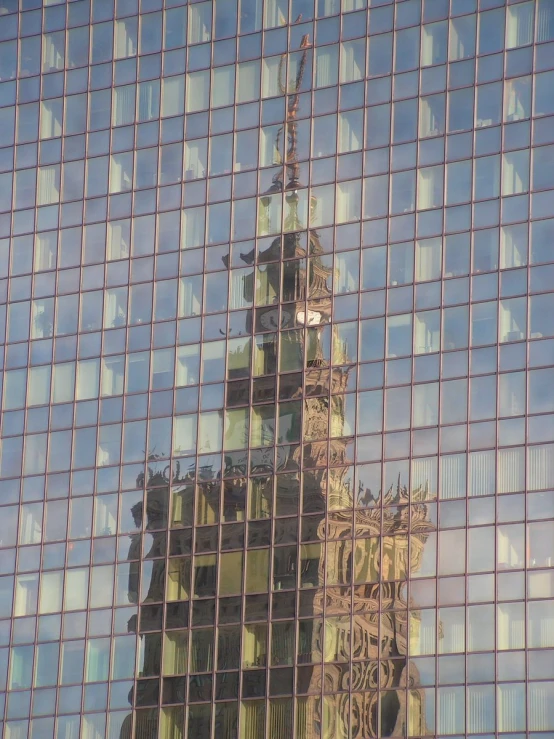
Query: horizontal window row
(342, 563)
(261, 387)
(266, 285)
(478, 514)
(209, 431)
(428, 259)
(206, 505)
(289, 283)
(485, 706)
(454, 593)
(336, 715)
(188, 233)
(263, 354)
(334, 639)
(337, 564)
(237, 154)
(322, 206)
(343, 132)
(120, 39)
(341, 416)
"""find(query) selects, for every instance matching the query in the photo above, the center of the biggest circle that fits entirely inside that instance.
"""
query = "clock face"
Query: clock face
(270, 319)
(311, 318)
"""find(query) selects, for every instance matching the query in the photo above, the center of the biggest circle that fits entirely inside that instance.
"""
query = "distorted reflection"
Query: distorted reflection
(285, 524)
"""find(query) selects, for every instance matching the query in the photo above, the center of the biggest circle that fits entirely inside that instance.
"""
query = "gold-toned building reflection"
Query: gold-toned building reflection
(356, 552)
(283, 523)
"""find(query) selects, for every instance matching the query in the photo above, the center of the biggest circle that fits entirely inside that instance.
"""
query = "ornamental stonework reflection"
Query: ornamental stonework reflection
(363, 568)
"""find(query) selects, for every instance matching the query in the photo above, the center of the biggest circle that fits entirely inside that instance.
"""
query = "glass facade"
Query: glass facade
(277, 324)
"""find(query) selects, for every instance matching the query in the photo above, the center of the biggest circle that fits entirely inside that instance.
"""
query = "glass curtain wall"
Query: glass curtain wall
(277, 369)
